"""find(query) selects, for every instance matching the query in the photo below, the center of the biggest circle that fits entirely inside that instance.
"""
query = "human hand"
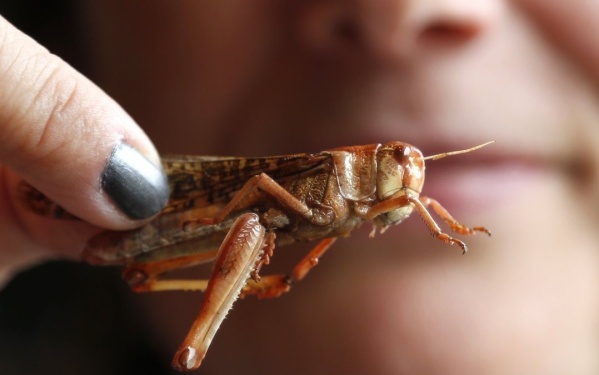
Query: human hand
(70, 140)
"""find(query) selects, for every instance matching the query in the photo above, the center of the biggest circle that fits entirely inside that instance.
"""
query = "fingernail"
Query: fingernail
(137, 187)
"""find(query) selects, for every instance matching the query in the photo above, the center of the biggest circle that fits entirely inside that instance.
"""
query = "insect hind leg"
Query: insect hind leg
(146, 277)
(240, 252)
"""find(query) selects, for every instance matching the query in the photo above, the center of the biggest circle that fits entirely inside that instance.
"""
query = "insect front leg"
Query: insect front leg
(420, 206)
(446, 216)
(433, 226)
(237, 257)
(270, 187)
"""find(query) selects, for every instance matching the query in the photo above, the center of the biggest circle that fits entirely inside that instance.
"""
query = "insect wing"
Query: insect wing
(200, 181)
(200, 187)
(162, 238)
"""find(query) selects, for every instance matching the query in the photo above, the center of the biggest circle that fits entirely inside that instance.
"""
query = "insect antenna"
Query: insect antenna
(450, 153)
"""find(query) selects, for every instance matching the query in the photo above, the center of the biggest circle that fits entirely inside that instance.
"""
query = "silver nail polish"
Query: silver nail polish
(137, 187)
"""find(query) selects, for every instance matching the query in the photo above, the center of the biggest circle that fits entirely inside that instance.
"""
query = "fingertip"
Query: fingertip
(136, 186)
(71, 141)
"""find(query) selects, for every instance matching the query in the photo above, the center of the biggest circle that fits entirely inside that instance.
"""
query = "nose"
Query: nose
(393, 29)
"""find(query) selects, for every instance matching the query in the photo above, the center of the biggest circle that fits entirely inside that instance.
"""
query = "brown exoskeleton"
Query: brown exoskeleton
(234, 211)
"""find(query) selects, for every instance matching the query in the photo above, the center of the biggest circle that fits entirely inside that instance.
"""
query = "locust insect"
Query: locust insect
(234, 211)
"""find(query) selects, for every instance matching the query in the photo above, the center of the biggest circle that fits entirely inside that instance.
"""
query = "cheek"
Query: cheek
(180, 65)
(228, 42)
(227, 45)
(572, 25)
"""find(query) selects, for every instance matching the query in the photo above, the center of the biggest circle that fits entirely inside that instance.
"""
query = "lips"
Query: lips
(484, 180)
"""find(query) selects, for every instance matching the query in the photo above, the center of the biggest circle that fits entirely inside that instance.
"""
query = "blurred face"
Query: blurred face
(271, 77)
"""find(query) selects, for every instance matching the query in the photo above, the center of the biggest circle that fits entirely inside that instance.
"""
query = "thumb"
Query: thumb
(71, 141)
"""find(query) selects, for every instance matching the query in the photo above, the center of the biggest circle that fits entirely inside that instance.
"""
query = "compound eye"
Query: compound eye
(410, 159)
(402, 155)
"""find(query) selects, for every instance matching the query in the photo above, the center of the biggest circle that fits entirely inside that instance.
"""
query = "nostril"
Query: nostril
(346, 31)
(448, 32)
(388, 30)
(329, 28)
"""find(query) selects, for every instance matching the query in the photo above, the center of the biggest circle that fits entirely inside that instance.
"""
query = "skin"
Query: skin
(270, 78)
(52, 117)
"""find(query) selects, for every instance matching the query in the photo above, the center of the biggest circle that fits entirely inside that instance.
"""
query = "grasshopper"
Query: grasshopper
(234, 211)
